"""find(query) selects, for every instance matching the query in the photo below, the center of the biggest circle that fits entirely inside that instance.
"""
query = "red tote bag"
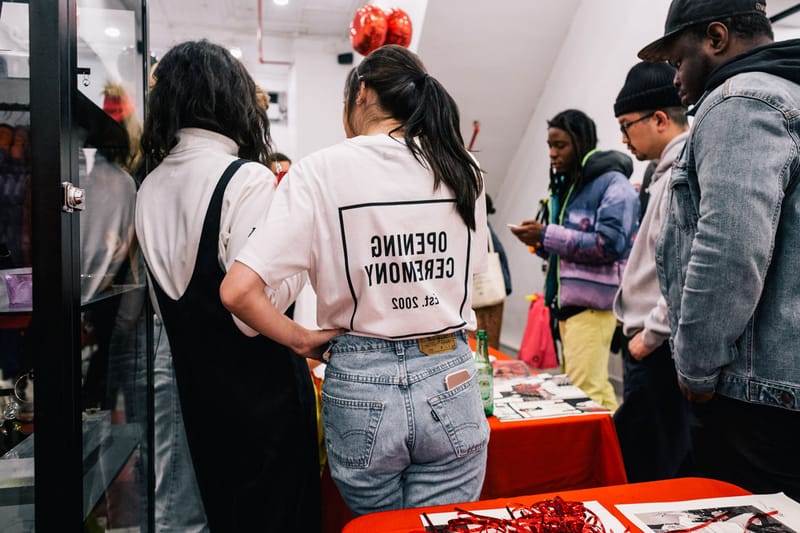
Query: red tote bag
(537, 348)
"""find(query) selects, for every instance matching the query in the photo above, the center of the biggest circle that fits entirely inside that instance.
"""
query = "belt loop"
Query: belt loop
(399, 348)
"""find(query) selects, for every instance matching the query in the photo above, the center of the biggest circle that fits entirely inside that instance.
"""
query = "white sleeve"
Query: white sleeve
(245, 204)
(656, 324)
(281, 247)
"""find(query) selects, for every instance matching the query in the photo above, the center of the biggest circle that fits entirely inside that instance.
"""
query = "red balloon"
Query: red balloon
(399, 27)
(368, 29)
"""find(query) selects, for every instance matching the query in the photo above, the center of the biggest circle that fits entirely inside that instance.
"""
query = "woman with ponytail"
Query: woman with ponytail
(390, 224)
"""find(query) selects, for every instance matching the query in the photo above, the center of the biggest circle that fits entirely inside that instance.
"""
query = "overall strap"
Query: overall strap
(208, 248)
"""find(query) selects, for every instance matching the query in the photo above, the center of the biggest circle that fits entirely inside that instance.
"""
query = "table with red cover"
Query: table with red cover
(528, 457)
(408, 520)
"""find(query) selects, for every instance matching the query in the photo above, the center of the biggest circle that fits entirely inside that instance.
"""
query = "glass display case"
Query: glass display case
(75, 362)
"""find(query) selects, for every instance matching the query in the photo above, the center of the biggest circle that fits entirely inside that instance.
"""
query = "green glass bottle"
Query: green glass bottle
(484, 372)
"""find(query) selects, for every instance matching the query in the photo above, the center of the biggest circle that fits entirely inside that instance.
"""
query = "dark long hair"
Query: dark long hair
(200, 84)
(429, 117)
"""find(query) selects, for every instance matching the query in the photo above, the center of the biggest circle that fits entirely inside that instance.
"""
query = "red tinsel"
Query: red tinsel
(547, 516)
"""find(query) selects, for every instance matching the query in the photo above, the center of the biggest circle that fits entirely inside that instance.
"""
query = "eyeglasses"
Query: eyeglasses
(623, 128)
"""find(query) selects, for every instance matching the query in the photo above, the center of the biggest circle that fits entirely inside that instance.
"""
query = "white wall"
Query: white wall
(597, 53)
(316, 85)
(271, 77)
(785, 33)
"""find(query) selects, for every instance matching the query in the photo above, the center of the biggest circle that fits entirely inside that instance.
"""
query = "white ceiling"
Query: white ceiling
(174, 21)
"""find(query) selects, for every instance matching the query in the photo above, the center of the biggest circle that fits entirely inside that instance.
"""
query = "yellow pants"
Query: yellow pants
(586, 344)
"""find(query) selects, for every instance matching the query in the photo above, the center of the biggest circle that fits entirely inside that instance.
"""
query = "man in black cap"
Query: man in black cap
(729, 254)
(652, 423)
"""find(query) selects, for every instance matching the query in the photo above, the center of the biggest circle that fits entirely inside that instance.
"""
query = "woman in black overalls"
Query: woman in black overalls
(247, 402)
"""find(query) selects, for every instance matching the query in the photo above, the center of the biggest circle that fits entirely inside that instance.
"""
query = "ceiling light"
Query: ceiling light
(236, 52)
(281, 2)
(112, 32)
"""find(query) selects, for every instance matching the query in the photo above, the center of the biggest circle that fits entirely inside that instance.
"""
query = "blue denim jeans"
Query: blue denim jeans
(178, 506)
(395, 436)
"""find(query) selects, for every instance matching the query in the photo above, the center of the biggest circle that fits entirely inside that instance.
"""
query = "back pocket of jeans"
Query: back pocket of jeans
(350, 429)
(460, 413)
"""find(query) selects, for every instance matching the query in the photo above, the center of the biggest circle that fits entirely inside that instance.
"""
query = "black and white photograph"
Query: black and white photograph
(716, 519)
(774, 513)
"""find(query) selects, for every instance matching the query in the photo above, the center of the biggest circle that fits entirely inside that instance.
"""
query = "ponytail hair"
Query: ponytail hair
(427, 114)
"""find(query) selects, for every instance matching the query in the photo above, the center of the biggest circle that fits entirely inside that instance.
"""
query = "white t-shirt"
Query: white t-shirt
(171, 206)
(387, 255)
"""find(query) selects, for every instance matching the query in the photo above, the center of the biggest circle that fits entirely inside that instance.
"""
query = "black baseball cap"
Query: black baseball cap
(685, 13)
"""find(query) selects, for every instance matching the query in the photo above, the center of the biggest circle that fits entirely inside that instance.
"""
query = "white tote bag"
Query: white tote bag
(489, 288)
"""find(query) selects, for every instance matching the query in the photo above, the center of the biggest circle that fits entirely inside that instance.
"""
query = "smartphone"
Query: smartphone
(456, 378)
(326, 355)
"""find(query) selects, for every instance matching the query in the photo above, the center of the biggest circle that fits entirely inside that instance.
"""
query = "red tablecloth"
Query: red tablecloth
(654, 491)
(527, 457)
(15, 320)
(532, 456)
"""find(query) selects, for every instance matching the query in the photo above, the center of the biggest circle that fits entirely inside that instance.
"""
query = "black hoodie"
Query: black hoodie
(601, 162)
(780, 59)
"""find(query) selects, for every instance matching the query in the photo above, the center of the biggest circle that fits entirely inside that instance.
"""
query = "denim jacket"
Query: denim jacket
(729, 252)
